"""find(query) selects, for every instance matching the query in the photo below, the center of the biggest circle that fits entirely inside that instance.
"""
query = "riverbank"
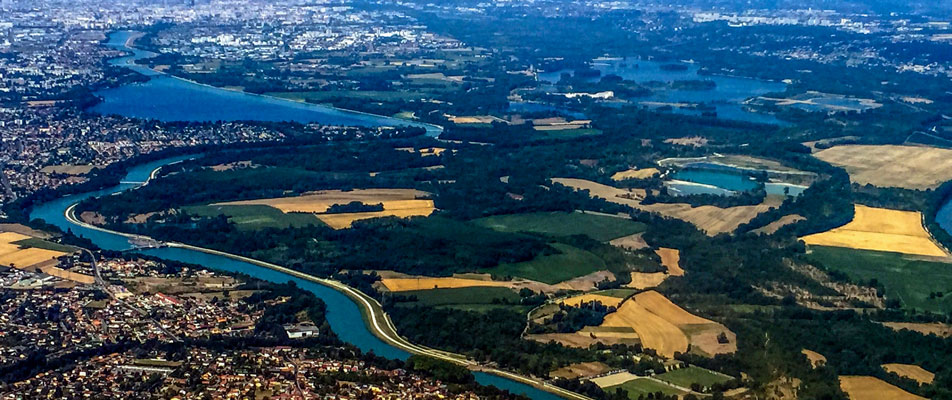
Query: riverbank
(373, 315)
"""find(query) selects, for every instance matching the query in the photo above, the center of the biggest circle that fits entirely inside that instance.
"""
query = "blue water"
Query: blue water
(723, 180)
(342, 313)
(726, 97)
(167, 98)
(944, 216)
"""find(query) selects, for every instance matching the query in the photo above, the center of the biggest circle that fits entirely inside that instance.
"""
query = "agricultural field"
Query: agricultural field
(910, 371)
(569, 263)
(643, 173)
(643, 387)
(909, 167)
(685, 377)
(68, 169)
(255, 216)
(881, 229)
(630, 242)
(668, 329)
(14, 251)
(596, 226)
(870, 388)
(901, 275)
(462, 296)
(710, 219)
(427, 283)
(670, 259)
(396, 202)
(773, 227)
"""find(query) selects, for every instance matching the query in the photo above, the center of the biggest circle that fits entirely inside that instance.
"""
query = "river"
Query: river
(343, 314)
(167, 98)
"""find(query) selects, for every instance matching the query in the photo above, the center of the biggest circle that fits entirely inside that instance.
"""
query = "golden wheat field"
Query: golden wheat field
(816, 359)
(773, 227)
(870, 388)
(882, 230)
(654, 331)
(671, 259)
(643, 173)
(645, 280)
(909, 167)
(910, 371)
(631, 242)
(12, 255)
(607, 301)
(405, 284)
(710, 219)
(400, 203)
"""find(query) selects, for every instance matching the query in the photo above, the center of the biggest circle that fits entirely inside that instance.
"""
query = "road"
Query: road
(378, 320)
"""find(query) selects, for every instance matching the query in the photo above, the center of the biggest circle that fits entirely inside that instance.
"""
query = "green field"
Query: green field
(643, 387)
(905, 278)
(317, 97)
(43, 244)
(620, 293)
(467, 295)
(685, 377)
(571, 262)
(598, 227)
(255, 216)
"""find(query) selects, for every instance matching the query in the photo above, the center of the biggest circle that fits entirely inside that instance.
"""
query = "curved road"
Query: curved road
(380, 322)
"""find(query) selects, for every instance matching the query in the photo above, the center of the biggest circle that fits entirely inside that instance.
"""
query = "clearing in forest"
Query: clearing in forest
(643, 173)
(773, 227)
(710, 219)
(881, 229)
(670, 259)
(908, 167)
(816, 359)
(580, 370)
(870, 388)
(400, 203)
(910, 371)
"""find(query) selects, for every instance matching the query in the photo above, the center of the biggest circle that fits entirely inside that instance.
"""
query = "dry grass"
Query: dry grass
(580, 370)
(710, 219)
(68, 169)
(631, 242)
(772, 227)
(816, 359)
(607, 301)
(910, 167)
(870, 388)
(614, 379)
(644, 173)
(910, 371)
(671, 259)
(881, 229)
(935, 328)
(396, 202)
(24, 230)
(396, 282)
(644, 280)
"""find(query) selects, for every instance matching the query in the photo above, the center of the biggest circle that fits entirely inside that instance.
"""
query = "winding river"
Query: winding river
(168, 98)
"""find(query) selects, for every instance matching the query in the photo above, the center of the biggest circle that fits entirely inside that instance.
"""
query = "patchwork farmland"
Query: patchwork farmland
(881, 229)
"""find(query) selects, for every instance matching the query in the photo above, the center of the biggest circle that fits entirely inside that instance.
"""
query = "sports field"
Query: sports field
(642, 387)
(870, 388)
(710, 219)
(881, 229)
(910, 167)
(902, 275)
(685, 377)
(910, 371)
(599, 227)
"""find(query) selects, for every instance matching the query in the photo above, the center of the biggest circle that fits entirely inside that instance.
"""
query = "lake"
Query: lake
(727, 97)
(167, 98)
(724, 180)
